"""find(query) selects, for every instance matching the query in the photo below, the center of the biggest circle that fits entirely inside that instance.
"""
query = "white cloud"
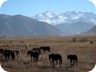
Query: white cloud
(94, 2)
(1, 2)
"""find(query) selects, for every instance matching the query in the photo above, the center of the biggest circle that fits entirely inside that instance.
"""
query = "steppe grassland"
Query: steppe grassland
(85, 51)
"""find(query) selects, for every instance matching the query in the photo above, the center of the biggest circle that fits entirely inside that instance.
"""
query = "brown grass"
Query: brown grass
(85, 51)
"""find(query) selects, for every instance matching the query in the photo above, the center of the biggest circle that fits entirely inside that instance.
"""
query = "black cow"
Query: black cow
(36, 50)
(29, 52)
(55, 58)
(91, 42)
(7, 54)
(1, 51)
(34, 55)
(17, 53)
(45, 48)
(73, 59)
(12, 54)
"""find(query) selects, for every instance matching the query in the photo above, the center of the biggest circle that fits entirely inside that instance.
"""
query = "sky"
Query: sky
(33, 7)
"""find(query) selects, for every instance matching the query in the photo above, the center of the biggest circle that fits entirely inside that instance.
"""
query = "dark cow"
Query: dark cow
(36, 50)
(7, 54)
(73, 59)
(91, 42)
(29, 52)
(17, 53)
(12, 54)
(1, 51)
(55, 58)
(33, 55)
(45, 48)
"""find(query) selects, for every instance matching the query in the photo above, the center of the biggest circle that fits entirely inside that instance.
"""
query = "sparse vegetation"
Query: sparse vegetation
(85, 51)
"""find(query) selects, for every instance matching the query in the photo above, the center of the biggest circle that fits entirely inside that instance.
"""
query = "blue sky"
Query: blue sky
(33, 7)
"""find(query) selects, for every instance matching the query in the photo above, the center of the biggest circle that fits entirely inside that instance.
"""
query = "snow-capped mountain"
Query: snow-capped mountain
(66, 17)
(70, 22)
(77, 22)
(47, 16)
(69, 16)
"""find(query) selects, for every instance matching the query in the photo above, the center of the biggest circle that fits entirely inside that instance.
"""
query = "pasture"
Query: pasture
(79, 45)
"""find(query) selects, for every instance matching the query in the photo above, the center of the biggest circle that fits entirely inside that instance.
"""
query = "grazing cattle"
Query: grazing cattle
(12, 54)
(45, 48)
(1, 51)
(36, 50)
(34, 55)
(73, 59)
(55, 58)
(7, 54)
(17, 53)
(91, 42)
(29, 52)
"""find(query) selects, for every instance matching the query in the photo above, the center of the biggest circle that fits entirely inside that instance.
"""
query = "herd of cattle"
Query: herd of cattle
(35, 53)
(10, 54)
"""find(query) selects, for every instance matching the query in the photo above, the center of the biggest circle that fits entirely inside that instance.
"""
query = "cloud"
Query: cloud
(1, 2)
(94, 2)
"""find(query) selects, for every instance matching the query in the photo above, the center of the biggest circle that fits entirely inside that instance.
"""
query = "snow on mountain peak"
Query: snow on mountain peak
(49, 14)
(51, 18)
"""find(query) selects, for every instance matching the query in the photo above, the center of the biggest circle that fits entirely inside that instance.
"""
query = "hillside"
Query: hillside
(91, 31)
(70, 22)
(19, 25)
(76, 27)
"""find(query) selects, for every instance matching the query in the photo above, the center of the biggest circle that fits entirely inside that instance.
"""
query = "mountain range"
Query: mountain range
(48, 24)
(19, 25)
(70, 22)
(91, 31)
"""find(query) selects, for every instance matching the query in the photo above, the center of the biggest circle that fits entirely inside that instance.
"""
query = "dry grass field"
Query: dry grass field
(79, 45)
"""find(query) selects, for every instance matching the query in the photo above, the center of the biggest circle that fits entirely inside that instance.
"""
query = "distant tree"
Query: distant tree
(91, 42)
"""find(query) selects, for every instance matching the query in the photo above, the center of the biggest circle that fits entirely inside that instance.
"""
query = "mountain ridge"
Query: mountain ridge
(65, 17)
(91, 31)
(19, 25)
(71, 22)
